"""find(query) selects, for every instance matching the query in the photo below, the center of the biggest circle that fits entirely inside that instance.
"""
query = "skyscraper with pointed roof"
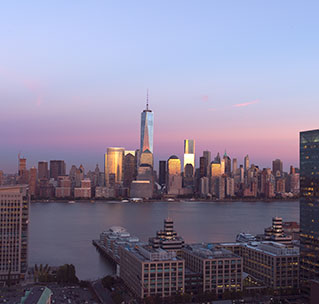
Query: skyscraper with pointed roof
(147, 125)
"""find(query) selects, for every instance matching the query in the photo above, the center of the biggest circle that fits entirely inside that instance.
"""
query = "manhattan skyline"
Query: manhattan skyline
(232, 77)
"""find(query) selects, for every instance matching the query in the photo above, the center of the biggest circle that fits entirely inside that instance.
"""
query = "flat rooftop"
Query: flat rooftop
(210, 251)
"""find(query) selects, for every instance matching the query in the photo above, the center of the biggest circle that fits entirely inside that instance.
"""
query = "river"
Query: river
(62, 233)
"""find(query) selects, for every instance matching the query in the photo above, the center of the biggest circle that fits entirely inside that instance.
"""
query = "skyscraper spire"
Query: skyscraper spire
(147, 100)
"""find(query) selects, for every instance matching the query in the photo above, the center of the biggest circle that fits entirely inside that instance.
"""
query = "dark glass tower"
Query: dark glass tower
(309, 208)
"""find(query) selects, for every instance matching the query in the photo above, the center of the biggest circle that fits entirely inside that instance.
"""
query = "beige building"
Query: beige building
(274, 264)
(64, 187)
(14, 212)
(85, 190)
(221, 270)
(149, 272)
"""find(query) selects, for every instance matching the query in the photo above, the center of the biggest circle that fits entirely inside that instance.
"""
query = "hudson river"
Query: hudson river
(62, 233)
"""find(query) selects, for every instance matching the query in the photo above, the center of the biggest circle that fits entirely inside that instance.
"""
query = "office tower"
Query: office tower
(174, 165)
(129, 167)
(188, 176)
(147, 126)
(277, 168)
(33, 181)
(242, 174)
(309, 208)
(22, 165)
(222, 166)
(235, 166)
(246, 163)
(162, 172)
(227, 161)
(57, 168)
(189, 153)
(113, 165)
(203, 166)
(43, 171)
(174, 178)
(85, 190)
(14, 212)
(208, 155)
(204, 186)
(23, 174)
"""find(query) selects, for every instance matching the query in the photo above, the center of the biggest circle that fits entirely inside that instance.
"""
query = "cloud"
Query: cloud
(245, 104)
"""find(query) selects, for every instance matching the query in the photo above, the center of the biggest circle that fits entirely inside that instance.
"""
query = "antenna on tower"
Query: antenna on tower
(147, 99)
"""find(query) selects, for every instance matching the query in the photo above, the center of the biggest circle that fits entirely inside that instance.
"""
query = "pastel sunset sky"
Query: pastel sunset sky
(235, 75)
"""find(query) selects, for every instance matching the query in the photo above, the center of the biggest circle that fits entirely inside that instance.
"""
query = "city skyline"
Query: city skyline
(232, 77)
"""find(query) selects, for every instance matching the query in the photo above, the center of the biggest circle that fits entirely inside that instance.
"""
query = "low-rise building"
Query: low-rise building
(273, 263)
(148, 271)
(220, 269)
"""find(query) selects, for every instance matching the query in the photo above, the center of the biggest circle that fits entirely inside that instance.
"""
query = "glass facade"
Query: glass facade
(309, 207)
(147, 128)
(189, 152)
(173, 166)
(114, 159)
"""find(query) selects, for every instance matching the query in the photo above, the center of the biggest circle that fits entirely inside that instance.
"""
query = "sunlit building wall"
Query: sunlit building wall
(113, 165)
(309, 208)
(189, 152)
(174, 165)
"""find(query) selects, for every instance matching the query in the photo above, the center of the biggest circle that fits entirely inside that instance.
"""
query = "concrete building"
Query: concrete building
(64, 187)
(141, 189)
(204, 186)
(104, 192)
(148, 272)
(129, 167)
(220, 269)
(84, 191)
(274, 264)
(43, 170)
(33, 181)
(14, 213)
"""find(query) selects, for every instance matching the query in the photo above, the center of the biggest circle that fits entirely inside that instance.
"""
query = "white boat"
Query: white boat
(71, 202)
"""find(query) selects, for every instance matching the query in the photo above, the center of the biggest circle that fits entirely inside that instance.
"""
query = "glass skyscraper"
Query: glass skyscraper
(189, 153)
(309, 208)
(147, 127)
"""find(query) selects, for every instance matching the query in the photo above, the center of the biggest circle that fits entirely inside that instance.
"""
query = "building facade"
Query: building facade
(14, 213)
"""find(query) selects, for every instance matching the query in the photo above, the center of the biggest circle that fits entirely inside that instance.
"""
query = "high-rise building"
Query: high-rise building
(129, 167)
(189, 152)
(57, 168)
(162, 172)
(14, 212)
(33, 181)
(23, 173)
(208, 157)
(246, 163)
(309, 208)
(203, 166)
(113, 165)
(235, 166)
(43, 171)
(174, 178)
(147, 127)
(227, 161)
(277, 167)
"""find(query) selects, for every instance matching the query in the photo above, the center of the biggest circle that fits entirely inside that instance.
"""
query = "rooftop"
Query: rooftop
(210, 251)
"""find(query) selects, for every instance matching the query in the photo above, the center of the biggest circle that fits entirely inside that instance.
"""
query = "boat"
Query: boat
(92, 201)
(71, 202)
(125, 201)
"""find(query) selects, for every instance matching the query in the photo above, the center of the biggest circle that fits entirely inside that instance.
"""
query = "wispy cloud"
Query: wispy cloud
(245, 104)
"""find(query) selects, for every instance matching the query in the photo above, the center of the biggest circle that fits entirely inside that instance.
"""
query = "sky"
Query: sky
(240, 76)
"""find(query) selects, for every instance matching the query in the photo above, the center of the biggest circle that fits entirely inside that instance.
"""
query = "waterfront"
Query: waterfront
(62, 233)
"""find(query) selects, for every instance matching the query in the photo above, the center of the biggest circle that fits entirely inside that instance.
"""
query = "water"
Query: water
(62, 233)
